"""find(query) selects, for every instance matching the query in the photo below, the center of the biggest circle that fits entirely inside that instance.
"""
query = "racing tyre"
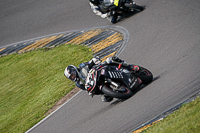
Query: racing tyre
(123, 93)
(145, 75)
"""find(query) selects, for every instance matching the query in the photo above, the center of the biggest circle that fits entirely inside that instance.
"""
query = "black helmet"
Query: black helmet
(71, 73)
(95, 2)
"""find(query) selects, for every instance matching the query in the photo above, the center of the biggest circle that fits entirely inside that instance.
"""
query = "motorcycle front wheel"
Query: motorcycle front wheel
(134, 6)
(123, 93)
(145, 75)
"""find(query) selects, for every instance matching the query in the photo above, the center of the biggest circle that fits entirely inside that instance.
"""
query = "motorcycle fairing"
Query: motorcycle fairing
(122, 75)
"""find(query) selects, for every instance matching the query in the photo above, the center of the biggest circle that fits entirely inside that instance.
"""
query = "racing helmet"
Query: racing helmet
(71, 73)
(95, 2)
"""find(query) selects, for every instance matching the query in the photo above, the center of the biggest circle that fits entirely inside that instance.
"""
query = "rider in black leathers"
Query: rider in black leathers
(79, 74)
(101, 9)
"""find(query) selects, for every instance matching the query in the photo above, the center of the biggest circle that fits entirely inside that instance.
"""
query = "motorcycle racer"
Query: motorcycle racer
(80, 74)
(108, 8)
(98, 9)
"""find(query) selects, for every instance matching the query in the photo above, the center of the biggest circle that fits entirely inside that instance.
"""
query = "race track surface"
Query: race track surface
(165, 38)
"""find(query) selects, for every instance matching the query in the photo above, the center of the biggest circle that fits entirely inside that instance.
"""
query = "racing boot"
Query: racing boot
(114, 19)
(112, 16)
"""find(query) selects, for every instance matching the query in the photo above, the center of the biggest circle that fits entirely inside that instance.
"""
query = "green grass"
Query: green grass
(31, 84)
(184, 120)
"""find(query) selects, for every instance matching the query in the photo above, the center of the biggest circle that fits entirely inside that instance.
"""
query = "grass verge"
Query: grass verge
(31, 84)
(184, 120)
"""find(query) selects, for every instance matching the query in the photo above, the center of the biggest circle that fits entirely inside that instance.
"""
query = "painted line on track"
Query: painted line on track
(52, 113)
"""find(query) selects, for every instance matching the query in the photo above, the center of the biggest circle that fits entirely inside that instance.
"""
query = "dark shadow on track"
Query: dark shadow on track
(118, 101)
(143, 86)
(127, 15)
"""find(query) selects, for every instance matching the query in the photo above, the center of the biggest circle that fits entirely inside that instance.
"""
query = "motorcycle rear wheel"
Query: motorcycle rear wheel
(106, 89)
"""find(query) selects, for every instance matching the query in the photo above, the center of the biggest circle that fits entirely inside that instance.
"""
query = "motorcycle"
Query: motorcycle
(118, 8)
(116, 81)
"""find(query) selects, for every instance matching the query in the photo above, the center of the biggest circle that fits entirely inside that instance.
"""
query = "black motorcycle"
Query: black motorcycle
(116, 81)
(121, 8)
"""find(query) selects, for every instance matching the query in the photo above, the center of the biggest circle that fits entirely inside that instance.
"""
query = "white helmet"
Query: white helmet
(71, 73)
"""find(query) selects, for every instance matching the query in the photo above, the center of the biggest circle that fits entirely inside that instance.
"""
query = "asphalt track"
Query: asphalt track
(164, 38)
